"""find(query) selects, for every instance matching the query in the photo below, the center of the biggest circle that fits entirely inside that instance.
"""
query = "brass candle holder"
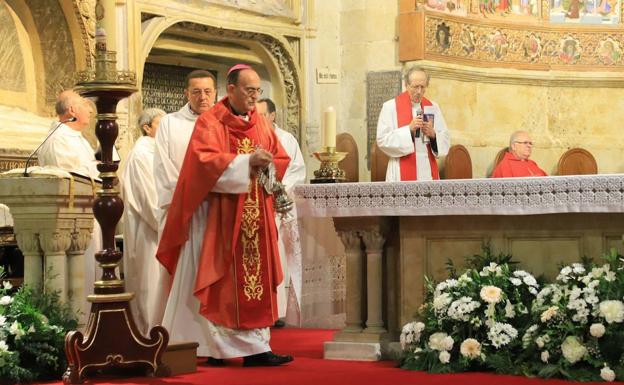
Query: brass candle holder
(329, 172)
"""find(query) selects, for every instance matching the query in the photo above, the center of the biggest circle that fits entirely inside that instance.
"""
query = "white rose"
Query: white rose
(548, 313)
(545, 356)
(470, 348)
(6, 300)
(3, 346)
(7, 285)
(515, 281)
(438, 341)
(2, 320)
(607, 374)
(573, 350)
(445, 357)
(490, 294)
(597, 330)
(612, 311)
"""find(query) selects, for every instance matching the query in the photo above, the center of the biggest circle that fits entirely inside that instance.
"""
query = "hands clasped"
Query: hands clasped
(260, 159)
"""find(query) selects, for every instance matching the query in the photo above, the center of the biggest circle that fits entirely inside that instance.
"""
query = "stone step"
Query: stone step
(180, 358)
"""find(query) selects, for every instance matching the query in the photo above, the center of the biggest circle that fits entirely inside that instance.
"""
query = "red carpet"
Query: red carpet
(306, 345)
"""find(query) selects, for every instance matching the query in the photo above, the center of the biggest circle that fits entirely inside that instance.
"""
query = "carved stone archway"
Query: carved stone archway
(283, 62)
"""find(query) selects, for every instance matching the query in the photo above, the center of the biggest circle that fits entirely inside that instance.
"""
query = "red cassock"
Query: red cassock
(511, 166)
(239, 267)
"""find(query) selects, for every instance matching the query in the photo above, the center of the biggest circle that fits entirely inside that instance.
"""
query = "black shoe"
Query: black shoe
(266, 359)
(279, 323)
(211, 361)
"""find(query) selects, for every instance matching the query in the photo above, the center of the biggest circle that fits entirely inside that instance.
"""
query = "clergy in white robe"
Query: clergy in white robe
(412, 131)
(174, 133)
(69, 150)
(144, 275)
(171, 142)
(288, 232)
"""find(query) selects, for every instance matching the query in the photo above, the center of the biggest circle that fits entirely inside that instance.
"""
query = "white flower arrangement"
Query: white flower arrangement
(571, 328)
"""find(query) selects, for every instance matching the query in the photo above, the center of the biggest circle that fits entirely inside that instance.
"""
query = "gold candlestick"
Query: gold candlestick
(329, 172)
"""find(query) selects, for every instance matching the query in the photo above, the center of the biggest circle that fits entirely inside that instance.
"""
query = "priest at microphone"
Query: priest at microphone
(412, 131)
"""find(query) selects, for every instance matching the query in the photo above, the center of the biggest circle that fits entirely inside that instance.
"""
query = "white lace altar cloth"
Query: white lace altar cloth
(505, 196)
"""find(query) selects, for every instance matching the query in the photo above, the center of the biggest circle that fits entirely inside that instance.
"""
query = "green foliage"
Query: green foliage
(32, 335)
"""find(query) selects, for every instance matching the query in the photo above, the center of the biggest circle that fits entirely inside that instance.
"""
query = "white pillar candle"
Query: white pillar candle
(106, 14)
(329, 127)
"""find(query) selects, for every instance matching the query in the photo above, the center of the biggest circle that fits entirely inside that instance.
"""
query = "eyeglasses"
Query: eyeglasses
(250, 91)
(198, 92)
(526, 142)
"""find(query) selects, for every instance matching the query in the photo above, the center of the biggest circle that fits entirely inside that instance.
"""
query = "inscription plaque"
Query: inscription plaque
(163, 86)
(380, 87)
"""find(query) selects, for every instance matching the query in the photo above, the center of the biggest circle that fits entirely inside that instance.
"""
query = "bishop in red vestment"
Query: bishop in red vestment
(234, 265)
(516, 162)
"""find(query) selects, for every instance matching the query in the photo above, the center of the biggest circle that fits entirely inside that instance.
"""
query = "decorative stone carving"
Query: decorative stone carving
(55, 242)
(374, 241)
(286, 63)
(85, 10)
(354, 269)
(79, 241)
(28, 242)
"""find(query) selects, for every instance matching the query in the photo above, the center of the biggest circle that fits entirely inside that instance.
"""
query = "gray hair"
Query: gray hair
(148, 115)
(64, 101)
(413, 69)
(514, 137)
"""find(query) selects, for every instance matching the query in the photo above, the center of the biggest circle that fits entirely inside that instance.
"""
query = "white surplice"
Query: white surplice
(172, 139)
(288, 241)
(182, 318)
(144, 275)
(69, 150)
(397, 141)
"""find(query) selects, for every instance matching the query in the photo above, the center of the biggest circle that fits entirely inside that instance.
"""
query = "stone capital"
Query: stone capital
(351, 240)
(55, 241)
(28, 242)
(373, 240)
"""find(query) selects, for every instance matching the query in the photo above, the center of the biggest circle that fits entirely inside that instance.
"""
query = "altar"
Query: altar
(395, 234)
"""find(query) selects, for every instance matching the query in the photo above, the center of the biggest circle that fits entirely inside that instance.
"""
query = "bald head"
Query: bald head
(520, 145)
(71, 105)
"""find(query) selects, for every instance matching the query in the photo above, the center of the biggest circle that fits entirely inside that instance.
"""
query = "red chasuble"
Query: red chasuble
(404, 117)
(239, 267)
(511, 166)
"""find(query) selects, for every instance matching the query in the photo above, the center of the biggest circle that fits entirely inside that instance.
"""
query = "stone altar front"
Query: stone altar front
(394, 234)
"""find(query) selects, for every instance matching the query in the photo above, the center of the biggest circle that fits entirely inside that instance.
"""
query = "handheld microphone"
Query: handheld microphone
(72, 119)
(419, 112)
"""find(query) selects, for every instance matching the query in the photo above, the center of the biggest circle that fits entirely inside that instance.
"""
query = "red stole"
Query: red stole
(239, 267)
(404, 118)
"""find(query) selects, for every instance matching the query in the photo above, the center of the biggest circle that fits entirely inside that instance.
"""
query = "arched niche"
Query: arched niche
(274, 52)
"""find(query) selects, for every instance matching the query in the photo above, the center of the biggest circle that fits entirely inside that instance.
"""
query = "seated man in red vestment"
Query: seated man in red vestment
(220, 238)
(516, 162)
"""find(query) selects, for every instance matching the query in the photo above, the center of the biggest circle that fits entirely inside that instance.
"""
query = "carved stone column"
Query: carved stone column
(374, 241)
(353, 250)
(80, 238)
(28, 242)
(55, 244)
